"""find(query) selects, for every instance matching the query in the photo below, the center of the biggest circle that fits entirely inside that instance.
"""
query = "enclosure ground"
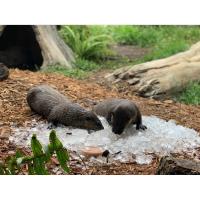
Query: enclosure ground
(14, 109)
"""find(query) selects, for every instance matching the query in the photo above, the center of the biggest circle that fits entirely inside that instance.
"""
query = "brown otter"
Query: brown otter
(120, 113)
(4, 72)
(54, 106)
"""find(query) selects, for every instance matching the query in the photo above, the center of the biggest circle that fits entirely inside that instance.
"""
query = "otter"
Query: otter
(120, 113)
(58, 109)
(4, 72)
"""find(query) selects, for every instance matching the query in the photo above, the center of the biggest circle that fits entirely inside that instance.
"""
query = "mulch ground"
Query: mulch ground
(14, 109)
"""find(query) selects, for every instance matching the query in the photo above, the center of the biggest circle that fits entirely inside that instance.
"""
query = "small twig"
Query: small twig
(81, 159)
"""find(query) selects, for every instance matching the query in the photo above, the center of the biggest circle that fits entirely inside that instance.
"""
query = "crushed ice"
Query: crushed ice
(161, 138)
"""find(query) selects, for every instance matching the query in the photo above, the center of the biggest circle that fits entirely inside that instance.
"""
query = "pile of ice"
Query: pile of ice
(161, 138)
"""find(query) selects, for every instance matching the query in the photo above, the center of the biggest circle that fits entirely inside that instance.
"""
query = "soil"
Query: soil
(14, 109)
(130, 52)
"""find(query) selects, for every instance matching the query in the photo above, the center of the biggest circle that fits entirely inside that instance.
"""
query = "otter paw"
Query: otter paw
(51, 126)
(141, 126)
(90, 131)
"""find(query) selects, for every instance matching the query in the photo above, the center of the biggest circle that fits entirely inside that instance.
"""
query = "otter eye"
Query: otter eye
(88, 118)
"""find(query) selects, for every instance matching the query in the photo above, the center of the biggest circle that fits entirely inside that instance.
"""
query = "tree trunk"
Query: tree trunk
(28, 47)
(163, 77)
(174, 166)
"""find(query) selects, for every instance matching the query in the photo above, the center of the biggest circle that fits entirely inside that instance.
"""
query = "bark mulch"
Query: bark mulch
(14, 109)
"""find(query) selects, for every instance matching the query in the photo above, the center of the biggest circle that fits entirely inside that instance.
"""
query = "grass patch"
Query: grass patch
(165, 49)
(86, 65)
(191, 95)
(73, 73)
(144, 36)
(81, 70)
(163, 40)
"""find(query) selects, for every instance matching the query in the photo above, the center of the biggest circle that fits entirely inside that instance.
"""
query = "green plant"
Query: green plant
(80, 70)
(85, 44)
(191, 95)
(86, 65)
(38, 161)
(143, 36)
(166, 48)
(74, 72)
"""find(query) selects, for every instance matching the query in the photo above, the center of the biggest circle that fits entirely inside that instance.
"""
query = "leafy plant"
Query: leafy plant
(84, 44)
(143, 36)
(38, 161)
(86, 65)
(80, 70)
(191, 95)
(74, 73)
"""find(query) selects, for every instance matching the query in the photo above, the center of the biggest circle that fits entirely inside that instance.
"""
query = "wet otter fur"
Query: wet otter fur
(56, 108)
(120, 113)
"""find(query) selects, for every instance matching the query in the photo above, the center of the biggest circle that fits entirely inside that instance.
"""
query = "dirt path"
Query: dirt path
(123, 54)
(130, 52)
(14, 109)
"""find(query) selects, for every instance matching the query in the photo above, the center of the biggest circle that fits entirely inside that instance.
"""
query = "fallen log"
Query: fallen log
(163, 77)
(175, 166)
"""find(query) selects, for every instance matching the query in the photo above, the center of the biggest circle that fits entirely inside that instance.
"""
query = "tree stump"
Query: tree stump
(161, 78)
(33, 47)
(4, 72)
(175, 166)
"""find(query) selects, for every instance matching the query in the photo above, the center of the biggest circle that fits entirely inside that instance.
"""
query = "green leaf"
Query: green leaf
(55, 143)
(63, 158)
(2, 171)
(19, 154)
(31, 169)
(36, 146)
(39, 166)
(48, 153)
(61, 153)
(12, 165)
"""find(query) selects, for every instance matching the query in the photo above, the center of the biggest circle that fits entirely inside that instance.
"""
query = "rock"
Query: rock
(92, 151)
(175, 166)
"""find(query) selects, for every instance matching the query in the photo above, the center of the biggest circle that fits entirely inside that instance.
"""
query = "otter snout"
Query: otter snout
(118, 126)
(99, 125)
(92, 122)
(117, 131)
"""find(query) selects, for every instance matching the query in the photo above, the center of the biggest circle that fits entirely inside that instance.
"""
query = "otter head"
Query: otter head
(121, 117)
(90, 121)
